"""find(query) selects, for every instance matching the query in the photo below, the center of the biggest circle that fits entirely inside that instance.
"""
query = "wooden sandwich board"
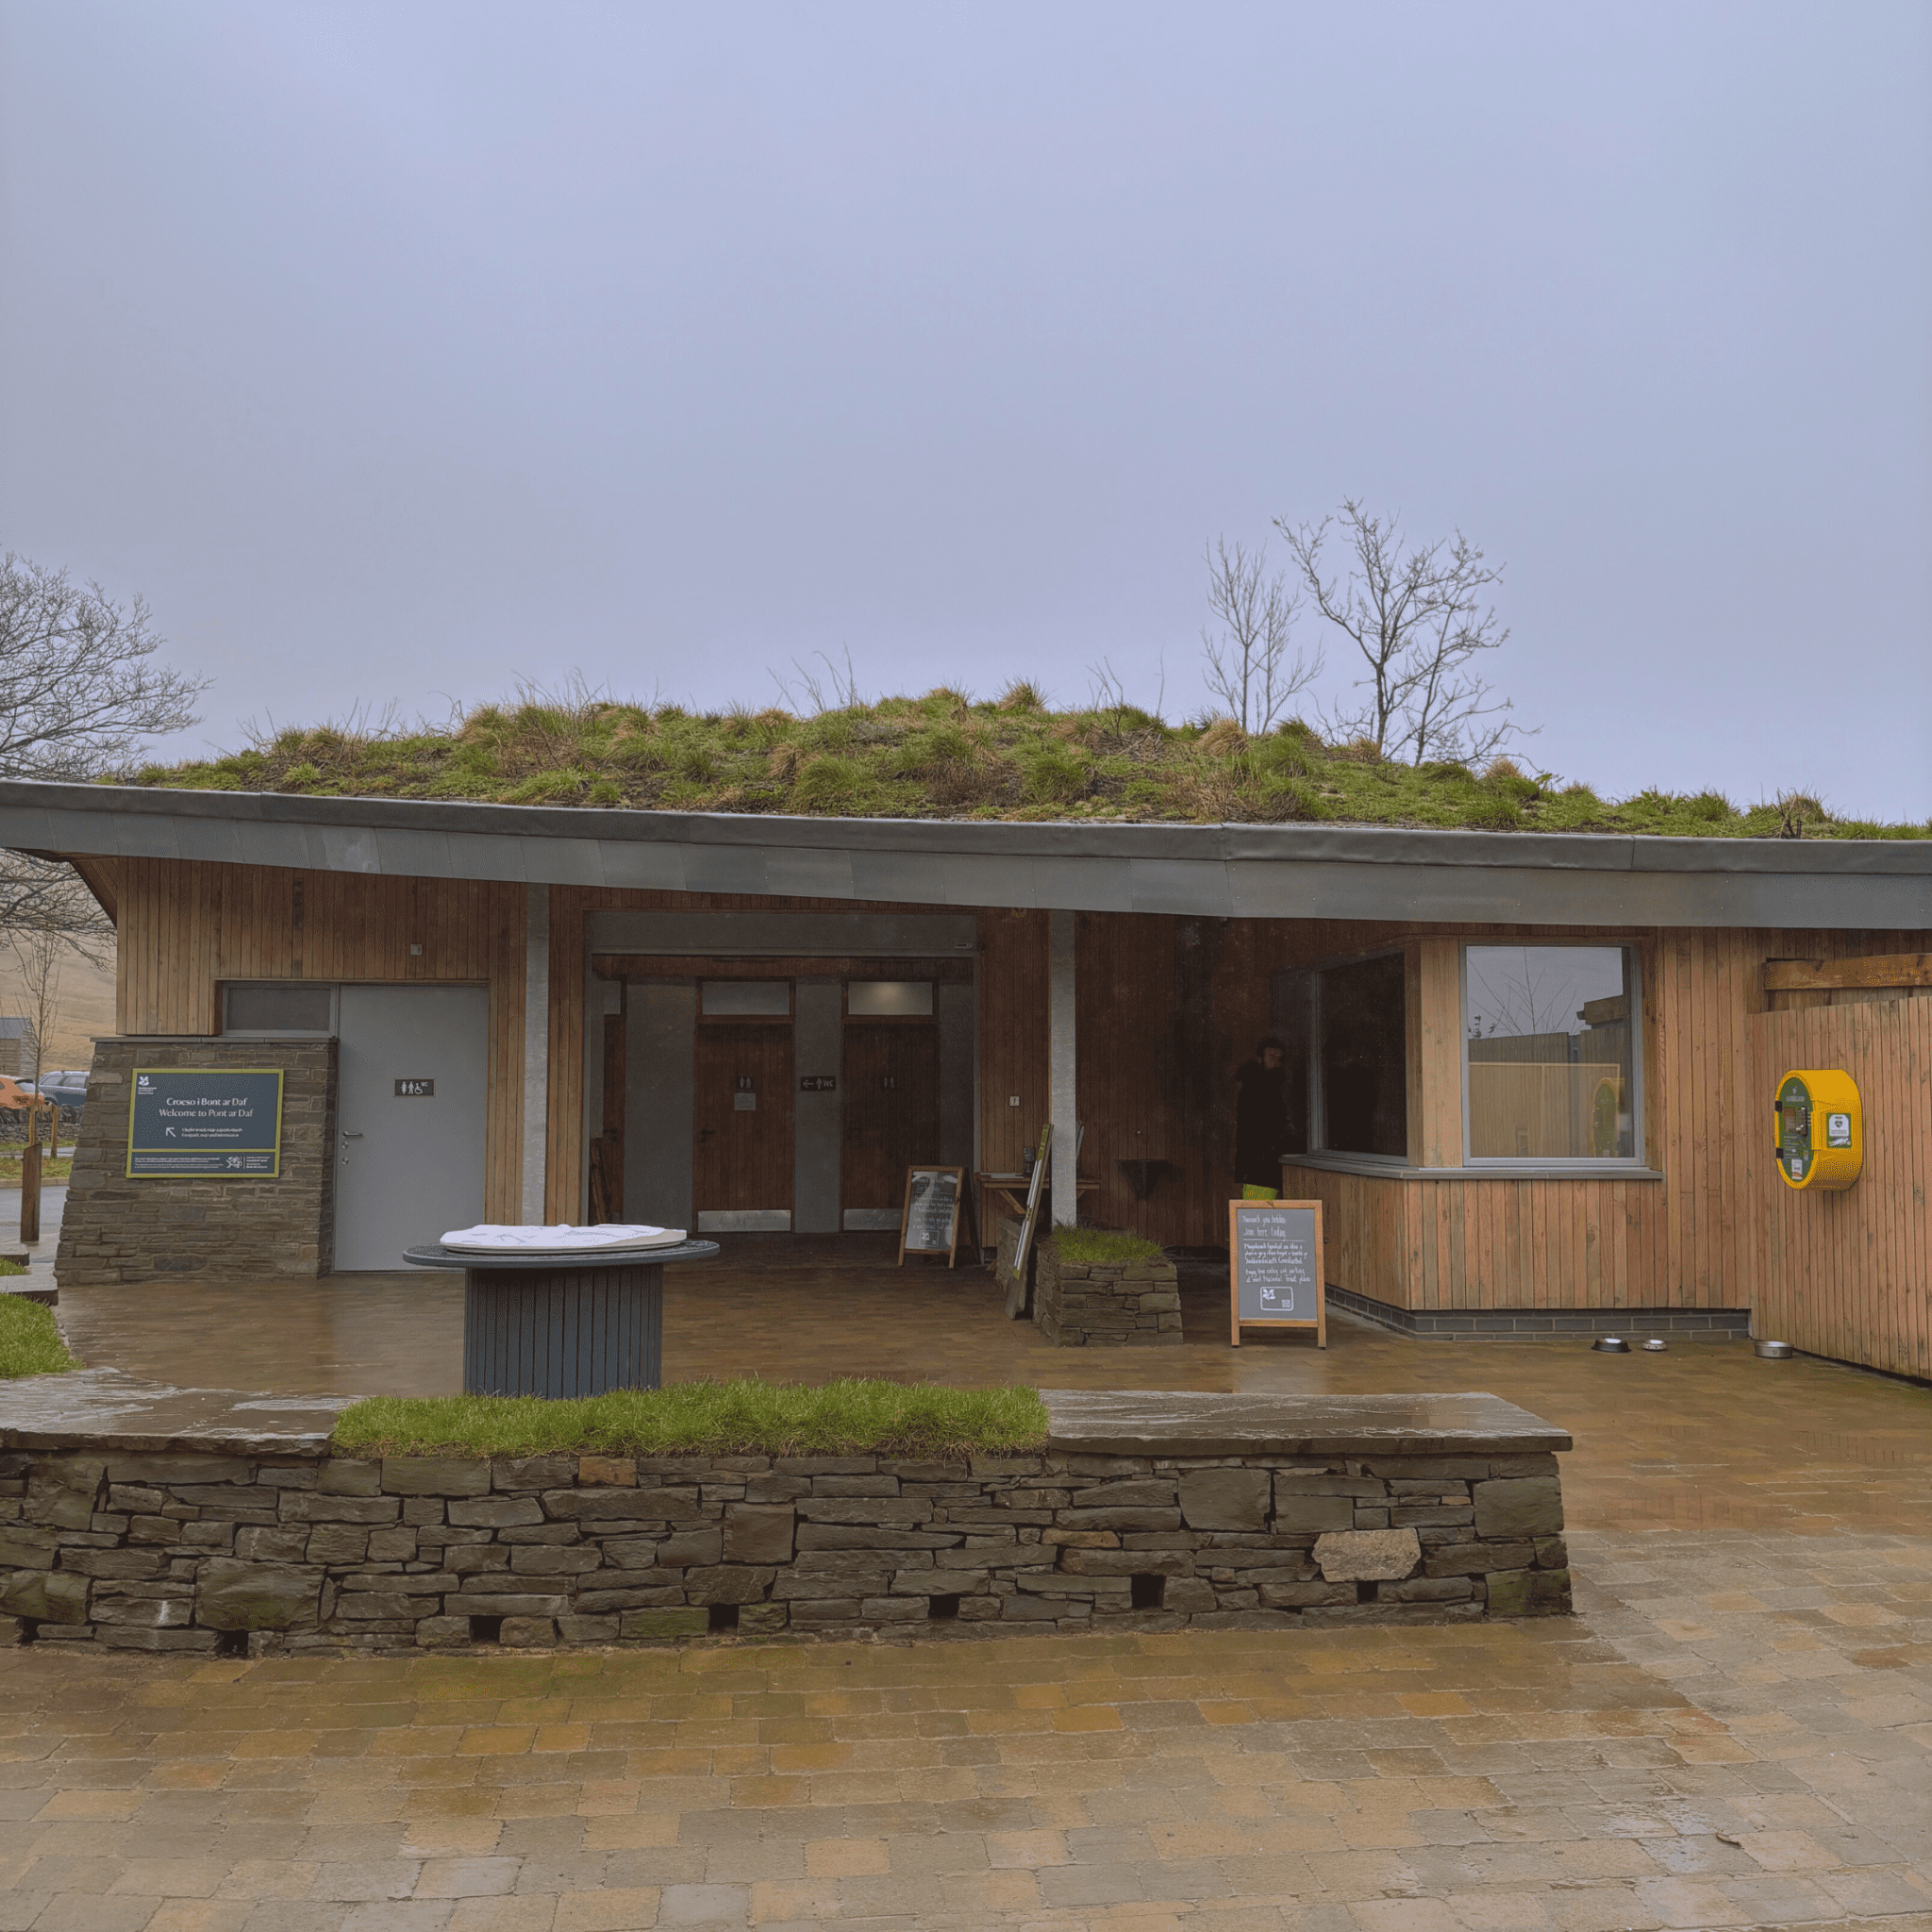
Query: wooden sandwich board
(930, 1224)
(1016, 1282)
(1275, 1274)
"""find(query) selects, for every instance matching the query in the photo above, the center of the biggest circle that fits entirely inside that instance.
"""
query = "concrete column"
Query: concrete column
(1062, 1067)
(536, 1054)
(818, 1118)
(659, 1104)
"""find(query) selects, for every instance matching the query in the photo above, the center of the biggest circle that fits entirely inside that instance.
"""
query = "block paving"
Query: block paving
(1735, 1730)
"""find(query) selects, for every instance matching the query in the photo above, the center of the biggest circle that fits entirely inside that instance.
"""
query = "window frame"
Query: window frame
(333, 988)
(1580, 1164)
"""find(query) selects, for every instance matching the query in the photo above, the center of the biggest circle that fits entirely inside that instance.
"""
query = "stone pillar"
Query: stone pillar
(1061, 1067)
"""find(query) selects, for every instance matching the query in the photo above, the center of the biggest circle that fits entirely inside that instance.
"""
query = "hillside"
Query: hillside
(947, 756)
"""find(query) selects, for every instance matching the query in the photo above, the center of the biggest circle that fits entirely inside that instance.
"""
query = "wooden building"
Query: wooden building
(1530, 1075)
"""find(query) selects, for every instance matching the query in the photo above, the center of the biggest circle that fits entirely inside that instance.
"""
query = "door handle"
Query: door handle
(347, 1136)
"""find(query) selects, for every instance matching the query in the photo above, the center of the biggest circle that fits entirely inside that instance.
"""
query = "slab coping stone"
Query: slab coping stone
(1185, 1422)
(104, 1408)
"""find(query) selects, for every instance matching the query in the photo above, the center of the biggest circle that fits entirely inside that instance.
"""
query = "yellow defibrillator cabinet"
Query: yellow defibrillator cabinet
(1818, 1130)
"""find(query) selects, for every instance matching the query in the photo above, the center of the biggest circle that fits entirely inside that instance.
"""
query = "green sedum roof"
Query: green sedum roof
(947, 757)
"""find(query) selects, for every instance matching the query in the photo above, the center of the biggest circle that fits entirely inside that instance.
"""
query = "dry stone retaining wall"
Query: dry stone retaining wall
(1102, 1304)
(262, 1554)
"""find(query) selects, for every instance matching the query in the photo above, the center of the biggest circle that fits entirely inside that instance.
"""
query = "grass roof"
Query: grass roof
(945, 756)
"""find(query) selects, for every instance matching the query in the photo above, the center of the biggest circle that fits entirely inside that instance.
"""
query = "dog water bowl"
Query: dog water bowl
(1772, 1351)
(1610, 1344)
(1654, 1345)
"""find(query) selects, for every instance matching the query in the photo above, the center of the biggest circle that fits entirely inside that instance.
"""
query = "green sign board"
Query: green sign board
(189, 1123)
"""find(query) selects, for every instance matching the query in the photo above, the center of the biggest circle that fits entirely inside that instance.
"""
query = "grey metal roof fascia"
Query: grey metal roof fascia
(889, 875)
(214, 841)
(1188, 887)
(414, 855)
(351, 848)
(641, 867)
(724, 868)
(137, 836)
(486, 859)
(810, 874)
(563, 861)
(1298, 871)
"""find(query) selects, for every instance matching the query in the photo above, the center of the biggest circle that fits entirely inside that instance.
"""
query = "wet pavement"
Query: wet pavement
(1702, 1435)
(1734, 1731)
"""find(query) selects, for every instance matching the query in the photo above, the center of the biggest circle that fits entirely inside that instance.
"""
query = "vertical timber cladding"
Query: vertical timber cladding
(218, 1228)
(1850, 1275)
(185, 926)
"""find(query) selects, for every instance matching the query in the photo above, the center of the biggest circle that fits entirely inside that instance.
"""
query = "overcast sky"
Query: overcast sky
(398, 352)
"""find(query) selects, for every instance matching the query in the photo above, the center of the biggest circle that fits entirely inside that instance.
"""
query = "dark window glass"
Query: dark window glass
(1365, 1057)
(290, 1008)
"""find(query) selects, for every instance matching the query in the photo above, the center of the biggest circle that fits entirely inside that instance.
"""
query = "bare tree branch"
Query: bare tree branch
(78, 696)
(1420, 619)
(1247, 664)
(78, 693)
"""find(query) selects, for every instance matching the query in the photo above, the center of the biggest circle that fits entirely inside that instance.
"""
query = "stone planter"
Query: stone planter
(1106, 1304)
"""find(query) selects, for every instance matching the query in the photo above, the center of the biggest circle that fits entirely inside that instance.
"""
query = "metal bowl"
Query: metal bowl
(1610, 1344)
(1772, 1351)
(1656, 1345)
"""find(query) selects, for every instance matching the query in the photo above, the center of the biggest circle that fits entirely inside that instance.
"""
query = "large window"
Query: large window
(1345, 1031)
(1550, 1036)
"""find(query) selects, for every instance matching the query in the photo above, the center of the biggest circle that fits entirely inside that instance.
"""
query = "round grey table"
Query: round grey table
(561, 1324)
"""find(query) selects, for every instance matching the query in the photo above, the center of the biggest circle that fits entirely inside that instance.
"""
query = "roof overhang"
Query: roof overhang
(1223, 872)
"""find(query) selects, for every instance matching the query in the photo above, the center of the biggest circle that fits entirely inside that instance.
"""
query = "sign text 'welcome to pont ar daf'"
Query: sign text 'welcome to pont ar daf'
(189, 1121)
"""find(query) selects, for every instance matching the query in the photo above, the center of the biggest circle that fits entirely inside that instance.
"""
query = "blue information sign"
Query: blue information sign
(189, 1121)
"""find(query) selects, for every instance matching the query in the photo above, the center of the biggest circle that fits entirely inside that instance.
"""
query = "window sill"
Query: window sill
(1490, 1170)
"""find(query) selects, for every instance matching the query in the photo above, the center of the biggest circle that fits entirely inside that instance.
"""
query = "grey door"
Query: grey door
(409, 1119)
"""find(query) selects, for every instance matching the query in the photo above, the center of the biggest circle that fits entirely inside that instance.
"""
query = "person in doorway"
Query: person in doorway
(1260, 1121)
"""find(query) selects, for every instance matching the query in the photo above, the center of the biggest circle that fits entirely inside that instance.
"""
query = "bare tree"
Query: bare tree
(78, 693)
(42, 895)
(1247, 664)
(78, 696)
(1420, 619)
(38, 954)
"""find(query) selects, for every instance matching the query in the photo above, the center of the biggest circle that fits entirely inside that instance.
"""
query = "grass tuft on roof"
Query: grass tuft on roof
(945, 756)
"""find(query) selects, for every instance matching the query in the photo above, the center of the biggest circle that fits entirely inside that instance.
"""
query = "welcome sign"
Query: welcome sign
(188, 1123)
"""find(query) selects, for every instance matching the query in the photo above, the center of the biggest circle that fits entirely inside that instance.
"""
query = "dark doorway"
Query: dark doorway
(891, 1112)
(742, 1164)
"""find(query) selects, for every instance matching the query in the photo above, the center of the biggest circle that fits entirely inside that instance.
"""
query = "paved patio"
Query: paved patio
(1736, 1731)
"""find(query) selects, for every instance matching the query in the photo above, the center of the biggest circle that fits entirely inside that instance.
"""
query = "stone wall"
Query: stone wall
(276, 1552)
(115, 1229)
(1101, 1304)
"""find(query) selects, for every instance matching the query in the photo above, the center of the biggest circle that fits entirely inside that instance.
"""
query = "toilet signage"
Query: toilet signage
(188, 1123)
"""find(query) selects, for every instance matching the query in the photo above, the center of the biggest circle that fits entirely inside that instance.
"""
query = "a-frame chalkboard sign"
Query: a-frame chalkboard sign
(930, 1224)
(1275, 1274)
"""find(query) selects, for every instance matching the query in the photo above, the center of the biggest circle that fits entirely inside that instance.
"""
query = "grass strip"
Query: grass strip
(739, 1418)
(1097, 1245)
(30, 1343)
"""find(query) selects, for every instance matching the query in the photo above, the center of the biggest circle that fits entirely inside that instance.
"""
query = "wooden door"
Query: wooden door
(892, 1110)
(743, 1159)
